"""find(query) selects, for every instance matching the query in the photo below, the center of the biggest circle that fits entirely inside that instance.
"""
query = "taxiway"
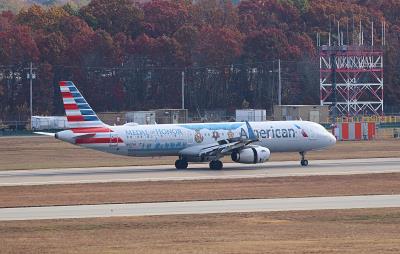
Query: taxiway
(200, 207)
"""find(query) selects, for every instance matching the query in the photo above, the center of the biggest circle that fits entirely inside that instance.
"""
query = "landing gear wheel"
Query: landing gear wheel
(304, 163)
(216, 165)
(181, 164)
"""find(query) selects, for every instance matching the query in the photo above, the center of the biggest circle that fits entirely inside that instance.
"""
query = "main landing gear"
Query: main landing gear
(216, 165)
(181, 164)
(303, 161)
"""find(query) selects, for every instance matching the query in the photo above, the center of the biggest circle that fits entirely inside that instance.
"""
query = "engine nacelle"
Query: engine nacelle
(251, 155)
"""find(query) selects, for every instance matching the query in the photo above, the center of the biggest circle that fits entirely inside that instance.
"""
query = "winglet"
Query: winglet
(252, 136)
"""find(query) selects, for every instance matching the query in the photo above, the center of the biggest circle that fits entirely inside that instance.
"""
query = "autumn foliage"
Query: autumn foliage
(129, 55)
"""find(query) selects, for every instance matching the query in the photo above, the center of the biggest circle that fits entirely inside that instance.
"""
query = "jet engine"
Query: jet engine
(251, 155)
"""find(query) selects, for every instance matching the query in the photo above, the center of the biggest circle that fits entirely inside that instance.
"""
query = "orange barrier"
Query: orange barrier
(355, 131)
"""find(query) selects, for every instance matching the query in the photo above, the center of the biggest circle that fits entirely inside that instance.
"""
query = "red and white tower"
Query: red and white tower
(352, 84)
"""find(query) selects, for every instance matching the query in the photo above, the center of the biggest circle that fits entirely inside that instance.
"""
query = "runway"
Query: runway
(200, 207)
(198, 172)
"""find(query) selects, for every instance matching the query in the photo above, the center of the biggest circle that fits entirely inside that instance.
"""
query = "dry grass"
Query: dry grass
(137, 192)
(45, 152)
(334, 231)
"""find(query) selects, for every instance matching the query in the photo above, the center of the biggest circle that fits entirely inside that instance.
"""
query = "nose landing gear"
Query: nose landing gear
(303, 161)
(181, 164)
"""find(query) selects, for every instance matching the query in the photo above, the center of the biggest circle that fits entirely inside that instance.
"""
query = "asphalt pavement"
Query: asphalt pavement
(198, 172)
(200, 207)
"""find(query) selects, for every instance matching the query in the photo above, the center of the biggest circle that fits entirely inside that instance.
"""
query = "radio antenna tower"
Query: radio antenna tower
(351, 76)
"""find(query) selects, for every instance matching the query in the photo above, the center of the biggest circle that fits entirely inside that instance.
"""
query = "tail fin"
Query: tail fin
(79, 113)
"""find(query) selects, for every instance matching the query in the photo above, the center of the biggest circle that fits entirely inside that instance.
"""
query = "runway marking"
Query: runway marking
(200, 207)
(168, 173)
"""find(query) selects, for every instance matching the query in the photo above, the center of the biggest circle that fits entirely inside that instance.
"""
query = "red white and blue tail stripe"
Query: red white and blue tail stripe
(80, 115)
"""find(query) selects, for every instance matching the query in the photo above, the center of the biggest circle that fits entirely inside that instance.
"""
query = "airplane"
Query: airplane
(244, 142)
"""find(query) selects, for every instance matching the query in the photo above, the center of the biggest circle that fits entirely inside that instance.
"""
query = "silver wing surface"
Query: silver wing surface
(218, 149)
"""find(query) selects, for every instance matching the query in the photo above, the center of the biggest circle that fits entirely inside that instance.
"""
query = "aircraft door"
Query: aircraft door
(311, 133)
(114, 138)
(189, 137)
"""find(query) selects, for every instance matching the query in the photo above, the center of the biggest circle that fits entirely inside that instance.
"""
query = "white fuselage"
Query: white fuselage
(170, 139)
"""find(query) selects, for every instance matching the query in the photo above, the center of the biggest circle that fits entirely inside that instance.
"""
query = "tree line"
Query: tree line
(130, 55)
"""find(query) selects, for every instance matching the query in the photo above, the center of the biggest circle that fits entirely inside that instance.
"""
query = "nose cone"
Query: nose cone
(332, 139)
(67, 136)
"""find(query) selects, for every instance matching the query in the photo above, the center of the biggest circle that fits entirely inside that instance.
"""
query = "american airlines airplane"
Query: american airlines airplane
(244, 142)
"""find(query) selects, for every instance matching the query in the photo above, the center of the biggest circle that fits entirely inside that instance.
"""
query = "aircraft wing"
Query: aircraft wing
(220, 148)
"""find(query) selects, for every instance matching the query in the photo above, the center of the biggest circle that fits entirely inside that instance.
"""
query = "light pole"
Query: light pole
(183, 90)
(31, 77)
(279, 81)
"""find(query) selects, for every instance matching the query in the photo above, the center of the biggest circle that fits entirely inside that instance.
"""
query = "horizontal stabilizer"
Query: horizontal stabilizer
(45, 133)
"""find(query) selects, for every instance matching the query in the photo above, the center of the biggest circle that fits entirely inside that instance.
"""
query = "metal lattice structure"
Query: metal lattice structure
(359, 80)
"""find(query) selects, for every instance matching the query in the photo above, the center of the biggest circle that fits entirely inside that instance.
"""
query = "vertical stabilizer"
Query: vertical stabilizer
(79, 113)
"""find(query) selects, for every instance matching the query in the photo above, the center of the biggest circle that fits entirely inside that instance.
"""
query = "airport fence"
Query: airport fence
(388, 119)
(15, 128)
(387, 126)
